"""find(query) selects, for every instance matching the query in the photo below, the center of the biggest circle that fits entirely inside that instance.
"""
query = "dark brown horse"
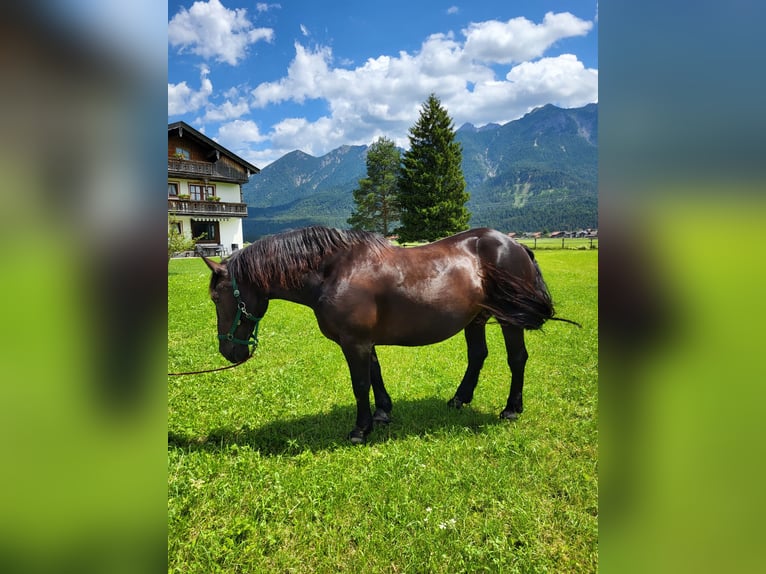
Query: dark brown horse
(366, 292)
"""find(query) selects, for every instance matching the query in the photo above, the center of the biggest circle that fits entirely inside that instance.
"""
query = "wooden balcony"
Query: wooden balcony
(204, 170)
(208, 208)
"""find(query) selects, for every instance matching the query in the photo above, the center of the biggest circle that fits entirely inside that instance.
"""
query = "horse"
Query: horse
(366, 292)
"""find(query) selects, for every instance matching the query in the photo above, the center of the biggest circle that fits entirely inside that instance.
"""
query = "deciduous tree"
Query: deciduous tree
(377, 207)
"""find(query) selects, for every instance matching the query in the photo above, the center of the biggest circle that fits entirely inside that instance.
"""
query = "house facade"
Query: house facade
(205, 189)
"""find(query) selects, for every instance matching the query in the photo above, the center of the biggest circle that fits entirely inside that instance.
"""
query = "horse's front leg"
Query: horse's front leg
(383, 405)
(358, 357)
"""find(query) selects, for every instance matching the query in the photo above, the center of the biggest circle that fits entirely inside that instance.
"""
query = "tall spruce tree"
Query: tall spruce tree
(377, 206)
(432, 194)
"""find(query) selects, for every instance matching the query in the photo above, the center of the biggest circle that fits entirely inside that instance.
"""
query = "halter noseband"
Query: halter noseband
(241, 310)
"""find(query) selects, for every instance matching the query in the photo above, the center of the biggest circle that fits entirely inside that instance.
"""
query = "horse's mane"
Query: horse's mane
(286, 257)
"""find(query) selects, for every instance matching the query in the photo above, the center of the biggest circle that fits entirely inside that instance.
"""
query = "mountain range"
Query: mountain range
(537, 173)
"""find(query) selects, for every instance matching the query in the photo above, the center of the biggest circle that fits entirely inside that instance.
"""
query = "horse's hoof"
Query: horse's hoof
(380, 416)
(357, 436)
(455, 403)
(509, 415)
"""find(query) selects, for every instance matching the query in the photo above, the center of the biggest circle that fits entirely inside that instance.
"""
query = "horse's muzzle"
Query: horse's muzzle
(234, 352)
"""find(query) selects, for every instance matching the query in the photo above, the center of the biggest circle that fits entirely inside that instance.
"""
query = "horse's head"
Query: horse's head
(238, 307)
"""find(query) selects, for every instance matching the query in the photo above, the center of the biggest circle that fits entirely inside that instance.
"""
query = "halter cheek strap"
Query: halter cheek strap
(241, 310)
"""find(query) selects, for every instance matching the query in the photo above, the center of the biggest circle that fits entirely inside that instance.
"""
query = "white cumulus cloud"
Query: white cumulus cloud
(183, 99)
(212, 31)
(563, 80)
(227, 111)
(383, 95)
(236, 133)
(492, 71)
(306, 76)
(519, 39)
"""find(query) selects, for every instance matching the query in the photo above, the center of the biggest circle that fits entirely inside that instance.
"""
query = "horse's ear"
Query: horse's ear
(217, 268)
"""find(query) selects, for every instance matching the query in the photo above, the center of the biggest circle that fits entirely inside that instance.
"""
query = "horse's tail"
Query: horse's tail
(513, 299)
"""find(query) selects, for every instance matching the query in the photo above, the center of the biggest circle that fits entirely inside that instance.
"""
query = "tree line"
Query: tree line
(420, 195)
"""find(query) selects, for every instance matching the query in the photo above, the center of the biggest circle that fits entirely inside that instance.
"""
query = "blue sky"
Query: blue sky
(264, 79)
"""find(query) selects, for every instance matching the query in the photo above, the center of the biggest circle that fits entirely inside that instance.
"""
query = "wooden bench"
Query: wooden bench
(209, 249)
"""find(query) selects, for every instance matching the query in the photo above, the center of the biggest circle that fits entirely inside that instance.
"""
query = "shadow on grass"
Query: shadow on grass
(327, 431)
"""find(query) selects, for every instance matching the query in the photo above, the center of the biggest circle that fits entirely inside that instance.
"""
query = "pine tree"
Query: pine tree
(432, 194)
(376, 200)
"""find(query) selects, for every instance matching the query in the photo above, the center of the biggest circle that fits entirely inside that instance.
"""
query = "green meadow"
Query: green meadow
(262, 479)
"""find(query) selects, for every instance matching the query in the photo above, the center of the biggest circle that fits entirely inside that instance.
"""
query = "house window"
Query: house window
(201, 192)
(182, 153)
(172, 189)
(209, 229)
(176, 228)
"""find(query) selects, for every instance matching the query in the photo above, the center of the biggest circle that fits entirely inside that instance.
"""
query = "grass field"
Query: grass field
(261, 478)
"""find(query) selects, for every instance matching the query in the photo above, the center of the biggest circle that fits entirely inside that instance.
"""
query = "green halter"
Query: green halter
(241, 310)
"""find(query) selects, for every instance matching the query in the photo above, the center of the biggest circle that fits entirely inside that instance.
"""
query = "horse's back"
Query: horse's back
(404, 296)
(418, 295)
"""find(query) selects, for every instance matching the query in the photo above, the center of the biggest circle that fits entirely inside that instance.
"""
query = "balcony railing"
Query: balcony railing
(214, 208)
(205, 169)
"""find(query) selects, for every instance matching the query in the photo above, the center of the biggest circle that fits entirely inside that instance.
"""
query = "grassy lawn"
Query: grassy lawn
(261, 478)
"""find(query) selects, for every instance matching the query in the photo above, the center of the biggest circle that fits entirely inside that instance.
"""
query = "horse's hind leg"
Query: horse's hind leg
(517, 360)
(383, 405)
(476, 341)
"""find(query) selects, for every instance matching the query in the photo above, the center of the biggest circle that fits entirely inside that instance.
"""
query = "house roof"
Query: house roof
(187, 129)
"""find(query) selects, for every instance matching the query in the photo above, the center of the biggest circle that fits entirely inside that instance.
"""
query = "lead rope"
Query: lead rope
(213, 370)
(251, 341)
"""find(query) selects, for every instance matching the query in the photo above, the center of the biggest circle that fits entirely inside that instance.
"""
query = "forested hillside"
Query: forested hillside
(533, 174)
